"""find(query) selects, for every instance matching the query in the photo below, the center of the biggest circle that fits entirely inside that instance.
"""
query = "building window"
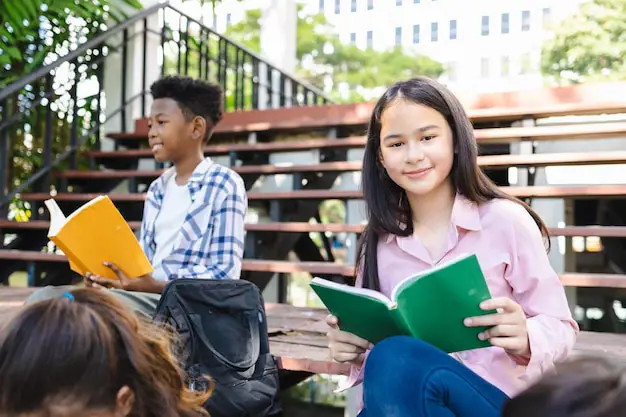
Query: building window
(416, 34)
(453, 29)
(398, 2)
(504, 23)
(370, 4)
(546, 14)
(484, 27)
(416, 1)
(353, 38)
(321, 6)
(398, 36)
(228, 18)
(353, 6)
(370, 38)
(337, 6)
(434, 32)
(524, 67)
(525, 20)
(505, 66)
(484, 67)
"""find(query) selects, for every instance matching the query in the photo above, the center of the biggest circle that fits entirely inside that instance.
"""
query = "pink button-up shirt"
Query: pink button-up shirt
(512, 255)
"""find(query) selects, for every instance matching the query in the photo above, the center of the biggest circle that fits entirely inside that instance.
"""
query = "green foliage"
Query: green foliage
(35, 33)
(324, 58)
(588, 46)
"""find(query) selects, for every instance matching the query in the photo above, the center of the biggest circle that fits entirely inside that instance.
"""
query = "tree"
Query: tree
(355, 74)
(34, 33)
(588, 46)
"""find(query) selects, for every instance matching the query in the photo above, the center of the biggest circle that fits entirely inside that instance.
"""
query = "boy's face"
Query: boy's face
(171, 136)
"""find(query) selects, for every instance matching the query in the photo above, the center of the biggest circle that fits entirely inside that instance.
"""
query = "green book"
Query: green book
(430, 306)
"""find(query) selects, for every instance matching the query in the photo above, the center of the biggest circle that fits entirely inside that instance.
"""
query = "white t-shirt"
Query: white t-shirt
(169, 221)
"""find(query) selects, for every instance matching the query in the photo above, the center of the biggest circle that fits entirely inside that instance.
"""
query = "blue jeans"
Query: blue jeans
(405, 377)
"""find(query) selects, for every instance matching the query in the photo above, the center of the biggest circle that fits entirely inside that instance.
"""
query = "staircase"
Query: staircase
(293, 148)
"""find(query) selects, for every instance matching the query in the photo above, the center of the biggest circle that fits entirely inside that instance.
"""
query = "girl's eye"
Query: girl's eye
(429, 137)
(161, 122)
(396, 144)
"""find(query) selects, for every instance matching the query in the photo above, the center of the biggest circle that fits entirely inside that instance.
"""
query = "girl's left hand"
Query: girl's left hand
(507, 328)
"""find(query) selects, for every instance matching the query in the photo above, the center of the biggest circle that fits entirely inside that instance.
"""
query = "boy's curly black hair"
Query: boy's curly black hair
(194, 97)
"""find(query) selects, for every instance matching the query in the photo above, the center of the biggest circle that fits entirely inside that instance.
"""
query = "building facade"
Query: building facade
(485, 45)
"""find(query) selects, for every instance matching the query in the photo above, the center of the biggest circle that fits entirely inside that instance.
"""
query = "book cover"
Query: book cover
(97, 232)
(430, 306)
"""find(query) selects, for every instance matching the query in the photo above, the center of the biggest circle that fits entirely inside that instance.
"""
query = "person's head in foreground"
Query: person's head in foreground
(182, 117)
(581, 388)
(84, 354)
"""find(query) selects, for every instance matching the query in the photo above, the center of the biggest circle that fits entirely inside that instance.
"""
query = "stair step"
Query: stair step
(488, 161)
(303, 227)
(257, 265)
(484, 136)
(264, 265)
(340, 166)
(541, 191)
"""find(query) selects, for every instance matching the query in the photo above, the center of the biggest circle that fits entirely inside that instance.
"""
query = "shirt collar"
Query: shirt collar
(465, 215)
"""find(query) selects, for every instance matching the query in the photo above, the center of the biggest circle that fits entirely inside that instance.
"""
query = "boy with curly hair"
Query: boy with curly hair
(193, 222)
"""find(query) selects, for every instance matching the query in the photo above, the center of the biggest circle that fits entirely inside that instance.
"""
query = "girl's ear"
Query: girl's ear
(124, 401)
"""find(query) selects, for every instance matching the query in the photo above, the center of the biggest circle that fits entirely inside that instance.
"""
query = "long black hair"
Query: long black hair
(388, 209)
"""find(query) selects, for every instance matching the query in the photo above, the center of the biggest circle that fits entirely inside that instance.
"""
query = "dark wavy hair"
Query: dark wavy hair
(60, 353)
(388, 208)
(585, 387)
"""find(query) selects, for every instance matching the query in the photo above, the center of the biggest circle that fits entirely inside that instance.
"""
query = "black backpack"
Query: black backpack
(223, 334)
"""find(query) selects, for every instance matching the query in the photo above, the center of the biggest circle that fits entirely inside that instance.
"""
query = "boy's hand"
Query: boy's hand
(344, 346)
(507, 327)
(144, 283)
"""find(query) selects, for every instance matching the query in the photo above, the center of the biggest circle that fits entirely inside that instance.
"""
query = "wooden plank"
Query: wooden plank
(307, 350)
(487, 161)
(543, 191)
(316, 268)
(483, 136)
(303, 227)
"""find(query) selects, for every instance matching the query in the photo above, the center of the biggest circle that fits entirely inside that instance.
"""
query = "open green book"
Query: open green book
(430, 306)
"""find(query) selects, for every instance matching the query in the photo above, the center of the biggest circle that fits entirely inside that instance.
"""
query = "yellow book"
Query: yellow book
(96, 233)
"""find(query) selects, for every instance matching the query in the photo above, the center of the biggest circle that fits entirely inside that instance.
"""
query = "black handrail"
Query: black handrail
(16, 86)
(143, 14)
(218, 58)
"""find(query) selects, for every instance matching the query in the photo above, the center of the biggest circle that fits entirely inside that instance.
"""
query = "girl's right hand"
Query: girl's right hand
(344, 346)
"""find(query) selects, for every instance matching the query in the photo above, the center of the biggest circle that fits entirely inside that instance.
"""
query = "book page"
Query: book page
(376, 295)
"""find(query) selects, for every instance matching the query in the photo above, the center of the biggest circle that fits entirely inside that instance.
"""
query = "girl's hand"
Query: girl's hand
(344, 346)
(507, 328)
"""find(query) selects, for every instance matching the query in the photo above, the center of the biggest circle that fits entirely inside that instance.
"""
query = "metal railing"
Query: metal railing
(61, 108)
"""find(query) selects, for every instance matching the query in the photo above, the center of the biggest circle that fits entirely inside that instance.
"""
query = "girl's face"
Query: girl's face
(416, 147)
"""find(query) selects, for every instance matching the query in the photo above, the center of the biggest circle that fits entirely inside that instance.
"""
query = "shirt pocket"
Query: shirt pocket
(494, 270)
(197, 225)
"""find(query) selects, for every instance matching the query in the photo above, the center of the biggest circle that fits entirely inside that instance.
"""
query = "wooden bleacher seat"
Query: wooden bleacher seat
(486, 161)
(303, 227)
(573, 279)
(298, 335)
(543, 191)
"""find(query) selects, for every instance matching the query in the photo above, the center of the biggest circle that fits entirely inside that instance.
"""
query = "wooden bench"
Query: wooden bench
(298, 336)
(485, 161)
(483, 136)
(303, 227)
(542, 191)
(573, 279)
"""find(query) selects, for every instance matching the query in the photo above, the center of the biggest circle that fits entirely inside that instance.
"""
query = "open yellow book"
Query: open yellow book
(96, 233)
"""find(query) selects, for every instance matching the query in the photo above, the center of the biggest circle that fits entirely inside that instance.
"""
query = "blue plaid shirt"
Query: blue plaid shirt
(211, 240)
